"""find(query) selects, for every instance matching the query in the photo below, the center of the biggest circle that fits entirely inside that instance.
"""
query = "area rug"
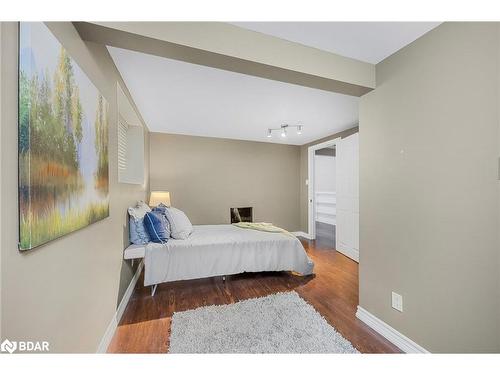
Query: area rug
(279, 323)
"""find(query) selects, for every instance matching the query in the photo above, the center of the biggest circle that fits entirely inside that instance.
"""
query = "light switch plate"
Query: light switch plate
(397, 301)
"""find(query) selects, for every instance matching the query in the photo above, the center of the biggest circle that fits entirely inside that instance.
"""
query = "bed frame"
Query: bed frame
(134, 252)
(282, 255)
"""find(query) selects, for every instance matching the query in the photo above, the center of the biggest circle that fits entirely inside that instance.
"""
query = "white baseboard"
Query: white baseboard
(397, 338)
(303, 234)
(110, 331)
(350, 253)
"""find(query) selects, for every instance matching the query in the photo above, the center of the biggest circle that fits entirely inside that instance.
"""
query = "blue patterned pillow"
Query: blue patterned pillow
(156, 225)
(138, 233)
(160, 209)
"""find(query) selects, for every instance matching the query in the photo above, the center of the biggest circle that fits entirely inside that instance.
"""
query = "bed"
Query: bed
(220, 250)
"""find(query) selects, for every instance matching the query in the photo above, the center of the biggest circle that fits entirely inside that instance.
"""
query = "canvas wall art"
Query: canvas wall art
(63, 141)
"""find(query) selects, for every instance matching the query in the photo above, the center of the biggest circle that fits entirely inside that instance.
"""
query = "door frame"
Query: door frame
(311, 199)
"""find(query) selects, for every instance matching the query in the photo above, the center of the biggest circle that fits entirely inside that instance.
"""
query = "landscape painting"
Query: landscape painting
(63, 141)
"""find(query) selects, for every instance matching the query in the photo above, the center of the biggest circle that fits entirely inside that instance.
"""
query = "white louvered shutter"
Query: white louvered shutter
(122, 145)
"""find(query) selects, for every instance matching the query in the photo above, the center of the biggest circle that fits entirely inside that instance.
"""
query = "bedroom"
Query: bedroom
(239, 157)
(161, 187)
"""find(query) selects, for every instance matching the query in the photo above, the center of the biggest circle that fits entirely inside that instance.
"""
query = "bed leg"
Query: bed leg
(153, 289)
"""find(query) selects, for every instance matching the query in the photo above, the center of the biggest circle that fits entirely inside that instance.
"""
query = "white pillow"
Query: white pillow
(139, 211)
(180, 226)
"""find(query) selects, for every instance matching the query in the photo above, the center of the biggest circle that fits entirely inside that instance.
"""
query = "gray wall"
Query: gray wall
(429, 194)
(65, 292)
(207, 176)
(304, 170)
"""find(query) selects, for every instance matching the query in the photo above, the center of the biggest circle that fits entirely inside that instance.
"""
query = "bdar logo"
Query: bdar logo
(8, 346)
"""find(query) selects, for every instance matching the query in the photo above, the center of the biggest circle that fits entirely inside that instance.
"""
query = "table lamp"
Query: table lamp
(157, 197)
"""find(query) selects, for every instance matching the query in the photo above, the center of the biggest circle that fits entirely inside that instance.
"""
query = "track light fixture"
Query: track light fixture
(284, 128)
(283, 131)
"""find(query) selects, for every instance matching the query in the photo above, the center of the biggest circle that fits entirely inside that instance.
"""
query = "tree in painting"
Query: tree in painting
(101, 143)
(63, 142)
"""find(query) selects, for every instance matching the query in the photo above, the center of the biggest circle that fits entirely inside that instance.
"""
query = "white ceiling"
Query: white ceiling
(182, 98)
(366, 41)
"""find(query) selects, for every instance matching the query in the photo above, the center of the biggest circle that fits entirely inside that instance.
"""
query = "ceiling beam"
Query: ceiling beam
(228, 47)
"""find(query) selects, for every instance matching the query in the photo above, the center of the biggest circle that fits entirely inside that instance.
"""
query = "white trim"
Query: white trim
(348, 252)
(329, 143)
(311, 200)
(110, 331)
(397, 338)
(303, 234)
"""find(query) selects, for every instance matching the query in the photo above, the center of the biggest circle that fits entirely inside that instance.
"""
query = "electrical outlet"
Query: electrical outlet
(397, 301)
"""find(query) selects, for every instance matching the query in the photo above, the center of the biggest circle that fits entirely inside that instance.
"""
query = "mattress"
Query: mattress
(218, 250)
(134, 252)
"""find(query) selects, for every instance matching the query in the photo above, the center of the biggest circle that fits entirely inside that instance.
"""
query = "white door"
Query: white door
(347, 231)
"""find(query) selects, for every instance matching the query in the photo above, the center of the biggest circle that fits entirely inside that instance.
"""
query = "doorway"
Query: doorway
(333, 194)
(325, 200)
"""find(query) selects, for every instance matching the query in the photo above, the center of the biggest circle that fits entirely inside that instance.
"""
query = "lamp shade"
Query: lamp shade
(157, 197)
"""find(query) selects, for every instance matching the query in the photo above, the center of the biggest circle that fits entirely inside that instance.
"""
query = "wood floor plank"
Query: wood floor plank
(332, 290)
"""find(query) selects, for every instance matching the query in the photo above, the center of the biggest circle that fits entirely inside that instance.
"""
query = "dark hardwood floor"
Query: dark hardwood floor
(333, 291)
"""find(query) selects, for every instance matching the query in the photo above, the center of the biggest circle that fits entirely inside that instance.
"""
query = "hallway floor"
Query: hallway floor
(325, 235)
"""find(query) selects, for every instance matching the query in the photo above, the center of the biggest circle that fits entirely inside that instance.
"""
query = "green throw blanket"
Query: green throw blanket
(263, 227)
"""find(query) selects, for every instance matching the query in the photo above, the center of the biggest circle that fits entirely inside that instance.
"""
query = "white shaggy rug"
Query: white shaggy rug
(279, 323)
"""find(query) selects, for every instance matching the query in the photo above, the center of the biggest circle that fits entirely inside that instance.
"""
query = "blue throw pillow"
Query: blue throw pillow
(138, 232)
(156, 225)
(160, 209)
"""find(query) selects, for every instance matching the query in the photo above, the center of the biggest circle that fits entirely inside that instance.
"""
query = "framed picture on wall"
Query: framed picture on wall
(63, 141)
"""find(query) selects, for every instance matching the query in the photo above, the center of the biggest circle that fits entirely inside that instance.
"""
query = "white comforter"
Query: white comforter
(218, 250)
